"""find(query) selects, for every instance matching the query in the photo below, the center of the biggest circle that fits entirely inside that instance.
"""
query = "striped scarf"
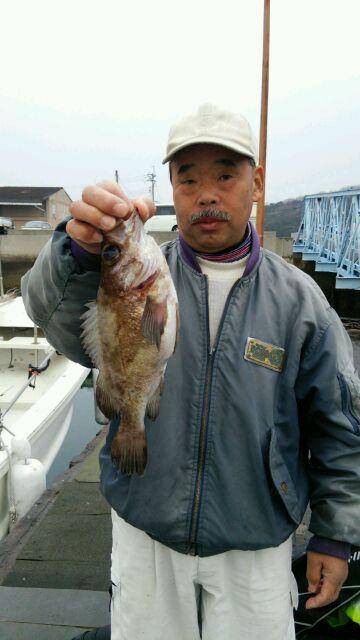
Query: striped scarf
(232, 254)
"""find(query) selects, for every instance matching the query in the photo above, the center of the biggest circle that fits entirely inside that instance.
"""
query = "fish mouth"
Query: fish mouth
(136, 225)
(132, 227)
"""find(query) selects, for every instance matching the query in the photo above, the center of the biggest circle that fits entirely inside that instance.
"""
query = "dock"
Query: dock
(55, 563)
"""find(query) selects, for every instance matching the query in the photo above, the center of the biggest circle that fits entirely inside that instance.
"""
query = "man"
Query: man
(262, 375)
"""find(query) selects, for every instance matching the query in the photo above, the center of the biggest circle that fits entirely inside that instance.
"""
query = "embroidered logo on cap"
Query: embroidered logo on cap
(265, 354)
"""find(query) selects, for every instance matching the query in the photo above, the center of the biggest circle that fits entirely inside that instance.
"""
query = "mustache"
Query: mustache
(209, 213)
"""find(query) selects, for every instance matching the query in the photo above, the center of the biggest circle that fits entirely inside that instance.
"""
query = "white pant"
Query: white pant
(242, 595)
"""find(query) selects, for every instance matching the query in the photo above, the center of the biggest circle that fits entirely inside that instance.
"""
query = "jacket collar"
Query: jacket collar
(189, 256)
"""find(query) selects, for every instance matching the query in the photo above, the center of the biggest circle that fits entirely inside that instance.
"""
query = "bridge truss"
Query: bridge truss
(329, 234)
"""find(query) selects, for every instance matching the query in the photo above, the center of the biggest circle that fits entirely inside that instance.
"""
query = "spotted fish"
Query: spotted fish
(130, 332)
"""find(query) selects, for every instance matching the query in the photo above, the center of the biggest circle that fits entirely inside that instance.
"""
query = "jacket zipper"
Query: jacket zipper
(204, 418)
(201, 456)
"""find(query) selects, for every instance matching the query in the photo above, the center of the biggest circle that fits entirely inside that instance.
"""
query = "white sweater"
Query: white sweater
(221, 277)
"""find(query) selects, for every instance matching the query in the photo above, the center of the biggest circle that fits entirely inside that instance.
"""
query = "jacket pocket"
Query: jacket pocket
(282, 479)
(347, 405)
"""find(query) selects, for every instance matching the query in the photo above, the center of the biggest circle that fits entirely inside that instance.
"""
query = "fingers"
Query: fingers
(145, 207)
(113, 187)
(313, 574)
(97, 212)
(85, 235)
(326, 575)
(93, 216)
(329, 592)
(114, 204)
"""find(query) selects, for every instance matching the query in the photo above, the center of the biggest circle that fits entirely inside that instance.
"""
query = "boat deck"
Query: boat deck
(55, 565)
(14, 376)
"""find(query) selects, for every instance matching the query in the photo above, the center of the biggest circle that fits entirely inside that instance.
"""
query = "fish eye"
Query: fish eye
(110, 253)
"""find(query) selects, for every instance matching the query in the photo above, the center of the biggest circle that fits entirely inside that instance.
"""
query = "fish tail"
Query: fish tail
(129, 452)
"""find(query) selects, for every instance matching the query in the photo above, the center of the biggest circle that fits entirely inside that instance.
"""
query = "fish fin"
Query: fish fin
(177, 327)
(154, 319)
(153, 406)
(104, 399)
(90, 334)
(129, 451)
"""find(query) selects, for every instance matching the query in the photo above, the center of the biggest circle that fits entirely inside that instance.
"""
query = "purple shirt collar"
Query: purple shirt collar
(189, 255)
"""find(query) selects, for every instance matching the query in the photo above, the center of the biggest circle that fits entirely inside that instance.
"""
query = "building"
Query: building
(21, 204)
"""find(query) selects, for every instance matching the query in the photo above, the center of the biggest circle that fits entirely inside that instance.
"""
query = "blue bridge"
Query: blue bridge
(329, 235)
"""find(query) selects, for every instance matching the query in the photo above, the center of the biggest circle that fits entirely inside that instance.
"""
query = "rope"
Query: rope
(34, 371)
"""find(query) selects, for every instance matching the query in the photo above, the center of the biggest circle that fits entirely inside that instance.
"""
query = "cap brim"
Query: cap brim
(209, 140)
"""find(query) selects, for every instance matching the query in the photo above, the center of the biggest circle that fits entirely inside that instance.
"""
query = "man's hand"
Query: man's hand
(98, 210)
(326, 575)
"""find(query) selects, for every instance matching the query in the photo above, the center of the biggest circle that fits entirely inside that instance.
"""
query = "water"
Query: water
(82, 429)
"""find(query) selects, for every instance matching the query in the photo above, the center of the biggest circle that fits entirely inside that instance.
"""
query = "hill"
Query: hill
(283, 217)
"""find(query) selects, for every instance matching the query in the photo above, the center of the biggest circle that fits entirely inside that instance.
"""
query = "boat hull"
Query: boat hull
(45, 425)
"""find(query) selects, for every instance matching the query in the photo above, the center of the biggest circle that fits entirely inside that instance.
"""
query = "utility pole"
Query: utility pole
(1, 276)
(116, 176)
(260, 213)
(151, 177)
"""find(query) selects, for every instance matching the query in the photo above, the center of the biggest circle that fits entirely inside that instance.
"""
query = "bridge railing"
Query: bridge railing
(329, 234)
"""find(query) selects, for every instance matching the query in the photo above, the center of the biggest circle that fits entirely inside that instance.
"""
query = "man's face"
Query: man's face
(222, 185)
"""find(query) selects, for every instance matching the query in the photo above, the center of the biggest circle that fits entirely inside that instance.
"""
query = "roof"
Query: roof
(26, 195)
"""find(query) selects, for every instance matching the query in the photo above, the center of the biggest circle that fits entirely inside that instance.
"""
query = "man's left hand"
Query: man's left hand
(326, 575)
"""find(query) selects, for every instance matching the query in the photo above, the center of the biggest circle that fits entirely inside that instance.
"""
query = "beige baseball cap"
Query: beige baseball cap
(213, 125)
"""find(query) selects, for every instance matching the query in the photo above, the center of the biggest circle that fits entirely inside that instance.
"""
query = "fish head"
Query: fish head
(127, 256)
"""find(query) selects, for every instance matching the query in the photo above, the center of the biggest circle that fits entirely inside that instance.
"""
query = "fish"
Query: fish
(130, 331)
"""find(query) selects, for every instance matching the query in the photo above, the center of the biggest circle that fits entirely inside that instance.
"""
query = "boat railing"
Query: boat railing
(36, 370)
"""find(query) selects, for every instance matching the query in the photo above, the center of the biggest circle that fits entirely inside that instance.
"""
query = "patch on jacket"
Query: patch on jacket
(265, 354)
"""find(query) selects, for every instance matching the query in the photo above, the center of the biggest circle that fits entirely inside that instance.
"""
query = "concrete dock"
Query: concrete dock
(55, 563)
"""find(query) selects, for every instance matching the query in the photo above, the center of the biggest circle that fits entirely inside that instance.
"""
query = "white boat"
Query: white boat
(42, 414)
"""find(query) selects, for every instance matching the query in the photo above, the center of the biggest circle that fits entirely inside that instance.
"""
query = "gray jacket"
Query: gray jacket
(246, 433)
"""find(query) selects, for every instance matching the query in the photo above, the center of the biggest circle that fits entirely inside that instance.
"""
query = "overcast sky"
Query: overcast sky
(89, 87)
